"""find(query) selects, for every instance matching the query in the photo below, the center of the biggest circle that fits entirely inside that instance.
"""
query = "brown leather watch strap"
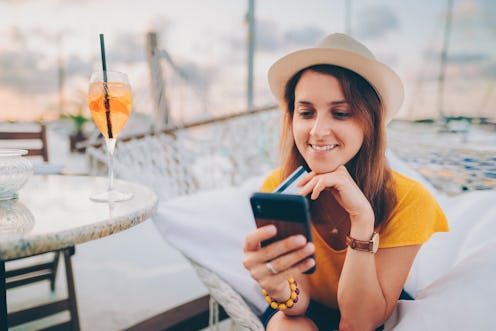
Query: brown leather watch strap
(364, 245)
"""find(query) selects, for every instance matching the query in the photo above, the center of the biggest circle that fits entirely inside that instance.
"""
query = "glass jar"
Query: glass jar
(15, 218)
(15, 170)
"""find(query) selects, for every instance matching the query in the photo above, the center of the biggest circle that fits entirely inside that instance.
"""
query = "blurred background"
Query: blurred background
(191, 60)
(48, 49)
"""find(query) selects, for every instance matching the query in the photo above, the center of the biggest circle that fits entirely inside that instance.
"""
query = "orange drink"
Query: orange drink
(110, 104)
(110, 100)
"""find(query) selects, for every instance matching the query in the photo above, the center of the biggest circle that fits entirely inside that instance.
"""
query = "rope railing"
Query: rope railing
(202, 154)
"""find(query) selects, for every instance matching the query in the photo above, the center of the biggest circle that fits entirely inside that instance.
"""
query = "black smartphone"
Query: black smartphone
(288, 212)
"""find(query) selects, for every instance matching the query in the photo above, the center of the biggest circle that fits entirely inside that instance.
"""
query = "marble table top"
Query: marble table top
(55, 212)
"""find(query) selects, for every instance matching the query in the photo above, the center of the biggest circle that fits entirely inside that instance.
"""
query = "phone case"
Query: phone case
(289, 213)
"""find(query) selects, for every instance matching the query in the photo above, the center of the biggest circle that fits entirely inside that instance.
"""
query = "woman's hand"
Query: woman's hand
(344, 189)
(271, 266)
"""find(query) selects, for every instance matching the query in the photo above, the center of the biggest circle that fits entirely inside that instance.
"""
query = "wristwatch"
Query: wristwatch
(370, 246)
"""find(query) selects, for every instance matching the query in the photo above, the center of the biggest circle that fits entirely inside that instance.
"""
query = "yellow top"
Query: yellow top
(415, 218)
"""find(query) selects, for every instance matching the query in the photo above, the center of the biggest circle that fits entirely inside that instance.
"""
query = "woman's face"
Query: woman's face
(326, 132)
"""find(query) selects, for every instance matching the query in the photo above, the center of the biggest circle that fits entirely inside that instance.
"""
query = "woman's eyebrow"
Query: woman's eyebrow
(338, 102)
(332, 103)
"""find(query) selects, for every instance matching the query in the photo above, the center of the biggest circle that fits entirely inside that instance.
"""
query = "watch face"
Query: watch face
(375, 242)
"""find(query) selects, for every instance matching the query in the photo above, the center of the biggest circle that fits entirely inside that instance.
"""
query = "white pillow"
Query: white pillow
(472, 221)
(459, 300)
(453, 274)
(210, 228)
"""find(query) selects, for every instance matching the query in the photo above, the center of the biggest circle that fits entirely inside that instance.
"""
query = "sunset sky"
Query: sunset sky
(207, 40)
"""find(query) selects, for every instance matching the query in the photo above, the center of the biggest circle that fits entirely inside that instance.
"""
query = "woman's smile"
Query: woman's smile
(323, 148)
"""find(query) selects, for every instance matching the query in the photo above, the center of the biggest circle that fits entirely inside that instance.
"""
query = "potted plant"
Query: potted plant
(78, 120)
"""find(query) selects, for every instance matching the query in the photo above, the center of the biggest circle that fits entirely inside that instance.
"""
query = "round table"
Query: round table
(54, 213)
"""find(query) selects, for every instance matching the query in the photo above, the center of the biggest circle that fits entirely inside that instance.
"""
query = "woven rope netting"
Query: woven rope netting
(183, 161)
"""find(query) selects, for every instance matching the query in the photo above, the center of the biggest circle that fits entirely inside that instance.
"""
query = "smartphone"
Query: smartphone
(288, 212)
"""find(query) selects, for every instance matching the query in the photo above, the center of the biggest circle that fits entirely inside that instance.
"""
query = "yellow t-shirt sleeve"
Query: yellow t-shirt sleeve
(272, 181)
(416, 217)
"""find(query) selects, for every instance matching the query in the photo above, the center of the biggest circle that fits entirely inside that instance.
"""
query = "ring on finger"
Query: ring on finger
(271, 268)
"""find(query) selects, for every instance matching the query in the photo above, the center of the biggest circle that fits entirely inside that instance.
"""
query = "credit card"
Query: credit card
(290, 184)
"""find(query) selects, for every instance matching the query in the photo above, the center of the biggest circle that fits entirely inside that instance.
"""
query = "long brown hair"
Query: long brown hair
(369, 167)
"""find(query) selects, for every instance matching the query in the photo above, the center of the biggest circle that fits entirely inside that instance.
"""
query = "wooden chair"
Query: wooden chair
(17, 272)
(193, 315)
(32, 136)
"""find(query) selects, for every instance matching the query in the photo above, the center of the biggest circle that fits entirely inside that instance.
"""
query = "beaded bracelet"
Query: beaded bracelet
(293, 297)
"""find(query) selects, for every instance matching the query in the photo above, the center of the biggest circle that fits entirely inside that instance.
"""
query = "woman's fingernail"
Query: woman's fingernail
(299, 240)
(309, 248)
(270, 229)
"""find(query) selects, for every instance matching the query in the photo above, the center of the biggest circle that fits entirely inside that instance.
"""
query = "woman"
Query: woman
(337, 100)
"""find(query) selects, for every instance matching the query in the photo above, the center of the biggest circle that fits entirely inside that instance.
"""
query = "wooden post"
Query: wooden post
(157, 84)
(60, 75)
(443, 61)
(4, 325)
(251, 49)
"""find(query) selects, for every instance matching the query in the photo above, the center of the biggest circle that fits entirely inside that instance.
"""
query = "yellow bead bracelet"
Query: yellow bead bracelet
(293, 297)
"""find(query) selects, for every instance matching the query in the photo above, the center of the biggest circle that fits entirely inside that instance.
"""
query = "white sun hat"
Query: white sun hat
(341, 50)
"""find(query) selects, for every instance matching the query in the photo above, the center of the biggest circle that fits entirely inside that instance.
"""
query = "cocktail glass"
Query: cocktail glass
(110, 101)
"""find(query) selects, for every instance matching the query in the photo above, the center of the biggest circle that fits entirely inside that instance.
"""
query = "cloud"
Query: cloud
(375, 22)
(471, 17)
(31, 38)
(270, 38)
(467, 57)
(196, 75)
(306, 36)
(467, 13)
(459, 57)
(26, 69)
(159, 24)
(23, 71)
(267, 36)
(126, 48)
(466, 8)
(74, 65)
(15, 35)
(488, 13)
(490, 70)
(15, 2)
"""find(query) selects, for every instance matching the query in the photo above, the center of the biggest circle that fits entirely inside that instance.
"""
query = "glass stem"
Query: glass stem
(110, 154)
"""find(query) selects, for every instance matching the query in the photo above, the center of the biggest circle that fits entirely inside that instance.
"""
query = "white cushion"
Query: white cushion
(472, 221)
(461, 299)
(210, 228)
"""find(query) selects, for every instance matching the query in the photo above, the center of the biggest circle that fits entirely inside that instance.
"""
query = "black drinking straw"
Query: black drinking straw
(104, 61)
(105, 86)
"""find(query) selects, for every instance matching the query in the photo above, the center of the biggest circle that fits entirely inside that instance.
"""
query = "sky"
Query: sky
(207, 40)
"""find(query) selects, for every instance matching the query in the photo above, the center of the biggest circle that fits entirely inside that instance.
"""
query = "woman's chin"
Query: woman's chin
(320, 168)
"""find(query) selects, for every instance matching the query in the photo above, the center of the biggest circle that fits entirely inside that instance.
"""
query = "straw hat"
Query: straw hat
(343, 51)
